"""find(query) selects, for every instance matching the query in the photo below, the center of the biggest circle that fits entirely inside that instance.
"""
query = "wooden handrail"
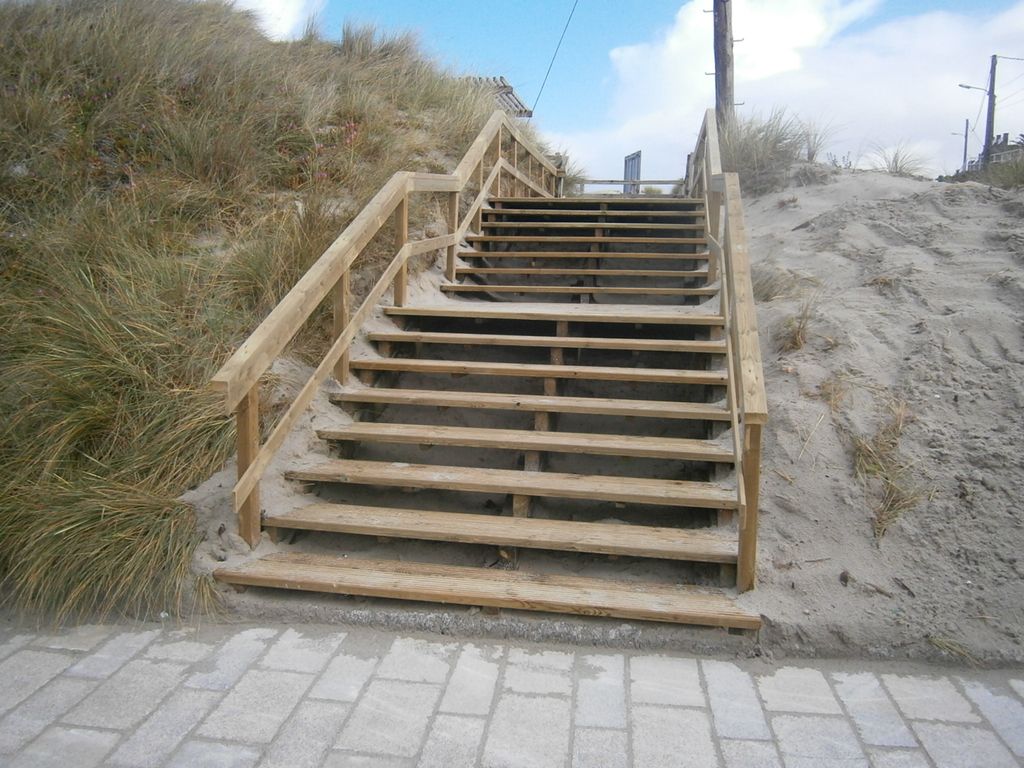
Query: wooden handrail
(238, 379)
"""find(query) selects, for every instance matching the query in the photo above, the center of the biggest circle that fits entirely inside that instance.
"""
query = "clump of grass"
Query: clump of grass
(898, 160)
(772, 282)
(795, 331)
(878, 457)
(166, 172)
(814, 136)
(787, 202)
(761, 149)
(833, 391)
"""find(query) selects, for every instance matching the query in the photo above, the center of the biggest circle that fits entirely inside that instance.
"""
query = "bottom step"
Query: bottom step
(491, 587)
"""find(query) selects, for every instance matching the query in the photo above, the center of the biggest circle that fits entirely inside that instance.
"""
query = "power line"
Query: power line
(555, 54)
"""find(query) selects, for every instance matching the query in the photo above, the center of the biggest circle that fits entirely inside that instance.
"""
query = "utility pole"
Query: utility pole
(724, 96)
(990, 122)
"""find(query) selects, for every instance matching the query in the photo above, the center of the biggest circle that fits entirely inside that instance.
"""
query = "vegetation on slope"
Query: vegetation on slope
(166, 173)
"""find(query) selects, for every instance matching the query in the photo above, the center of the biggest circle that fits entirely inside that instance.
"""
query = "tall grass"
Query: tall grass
(166, 172)
(762, 149)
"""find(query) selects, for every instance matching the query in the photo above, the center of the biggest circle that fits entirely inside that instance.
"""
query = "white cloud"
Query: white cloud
(880, 84)
(282, 19)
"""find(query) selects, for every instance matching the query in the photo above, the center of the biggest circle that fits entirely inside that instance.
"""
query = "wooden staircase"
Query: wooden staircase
(561, 428)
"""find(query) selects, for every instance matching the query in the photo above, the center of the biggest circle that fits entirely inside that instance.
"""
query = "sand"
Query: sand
(918, 292)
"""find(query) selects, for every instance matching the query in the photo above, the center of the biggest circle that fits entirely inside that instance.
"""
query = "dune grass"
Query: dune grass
(166, 173)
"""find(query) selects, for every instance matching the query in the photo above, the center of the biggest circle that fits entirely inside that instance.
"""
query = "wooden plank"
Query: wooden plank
(608, 290)
(600, 406)
(401, 224)
(633, 201)
(579, 372)
(582, 213)
(243, 369)
(753, 402)
(434, 182)
(577, 313)
(462, 585)
(566, 342)
(628, 490)
(432, 244)
(575, 239)
(680, 449)
(660, 256)
(696, 544)
(608, 225)
(453, 226)
(567, 272)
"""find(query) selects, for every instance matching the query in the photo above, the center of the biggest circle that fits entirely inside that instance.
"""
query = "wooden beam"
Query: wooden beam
(247, 423)
(401, 219)
(602, 406)
(463, 585)
(695, 544)
(628, 490)
(579, 372)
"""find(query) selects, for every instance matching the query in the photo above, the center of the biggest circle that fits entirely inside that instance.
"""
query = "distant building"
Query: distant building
(1002, 152)
(505, 95)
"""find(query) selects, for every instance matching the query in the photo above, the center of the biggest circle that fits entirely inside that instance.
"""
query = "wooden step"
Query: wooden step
(679, 449)
(697, 544)
(608, 225)
(607, 290)
(580, 212)
(462, 585)
(569, 272)
(579, 372)
(597, 406)
(703, 314)
(633, 201)
(624, 238)
(561, 342)
(660, 256)
(629, 490)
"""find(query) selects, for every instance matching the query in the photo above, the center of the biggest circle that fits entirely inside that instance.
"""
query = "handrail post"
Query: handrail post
(342, 301)
(247, 424)
(453, 225)
(497, 155)
(401, 218)
(514, 149)
(746, 571)
(478, 217)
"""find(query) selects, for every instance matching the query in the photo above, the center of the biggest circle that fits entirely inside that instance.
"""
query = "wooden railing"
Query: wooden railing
(501, 158)
(729, 258)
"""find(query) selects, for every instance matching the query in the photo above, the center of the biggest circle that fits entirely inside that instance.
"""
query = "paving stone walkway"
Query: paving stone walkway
(222, 696)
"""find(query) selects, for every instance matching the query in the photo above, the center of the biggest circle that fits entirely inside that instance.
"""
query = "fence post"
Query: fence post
(453, 225)
(746, 571)
(247, 424)
(401, 217)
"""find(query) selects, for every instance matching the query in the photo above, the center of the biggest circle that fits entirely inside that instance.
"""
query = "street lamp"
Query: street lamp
(974, 88)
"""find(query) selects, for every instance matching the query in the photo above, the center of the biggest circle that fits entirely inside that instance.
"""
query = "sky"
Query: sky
(630, 74)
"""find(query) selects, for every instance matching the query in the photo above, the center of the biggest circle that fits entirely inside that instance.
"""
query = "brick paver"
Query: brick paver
(328, 697)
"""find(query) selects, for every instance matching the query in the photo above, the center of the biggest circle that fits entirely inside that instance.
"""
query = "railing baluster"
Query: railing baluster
(401, 218)
(247, 424)
(453, 225)
(342, 312)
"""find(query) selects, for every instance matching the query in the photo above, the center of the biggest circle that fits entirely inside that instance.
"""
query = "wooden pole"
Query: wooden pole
(725, 99)
(746, 573)
(990, 120)
(247, 423)
(401, 217)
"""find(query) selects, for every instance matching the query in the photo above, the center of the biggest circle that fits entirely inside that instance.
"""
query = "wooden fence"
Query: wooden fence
(500, 155)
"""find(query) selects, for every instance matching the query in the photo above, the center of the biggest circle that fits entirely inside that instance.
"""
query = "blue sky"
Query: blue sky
(630, 73)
